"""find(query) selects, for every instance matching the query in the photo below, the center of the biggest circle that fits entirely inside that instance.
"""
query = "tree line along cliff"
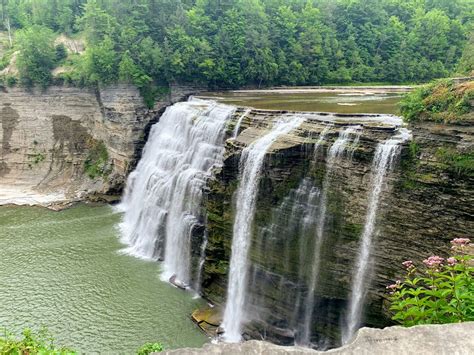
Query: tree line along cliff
(233, 43)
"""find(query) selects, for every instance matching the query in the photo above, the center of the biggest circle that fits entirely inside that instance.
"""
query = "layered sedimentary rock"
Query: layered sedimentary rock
(64, 142)
(425, 203)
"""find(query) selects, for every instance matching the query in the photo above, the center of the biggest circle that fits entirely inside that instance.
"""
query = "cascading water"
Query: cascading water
(292, 223)
(239, 123)
(347, 138)
(250, 166)
(385, 155)
(163, 195)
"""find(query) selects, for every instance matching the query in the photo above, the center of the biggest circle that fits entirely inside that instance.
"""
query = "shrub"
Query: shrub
(442, 291)
(37, 56)
(459, 164)
(442, 101)
(31, 343)
(96, 163)
(149, 348)
(60, 52)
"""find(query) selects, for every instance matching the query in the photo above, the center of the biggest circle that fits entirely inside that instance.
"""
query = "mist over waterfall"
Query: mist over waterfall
(385, 154)
(163, 195)
(250, 167)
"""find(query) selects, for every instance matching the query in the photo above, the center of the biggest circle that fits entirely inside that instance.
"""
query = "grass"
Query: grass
(442, 101)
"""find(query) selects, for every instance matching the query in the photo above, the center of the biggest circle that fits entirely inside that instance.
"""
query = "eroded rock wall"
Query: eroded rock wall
(48, 135)
(425, 204)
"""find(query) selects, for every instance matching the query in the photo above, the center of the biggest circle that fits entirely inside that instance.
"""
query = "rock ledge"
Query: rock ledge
(423, 339)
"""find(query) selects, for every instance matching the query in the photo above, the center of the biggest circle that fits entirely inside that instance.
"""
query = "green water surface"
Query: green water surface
(63, 270)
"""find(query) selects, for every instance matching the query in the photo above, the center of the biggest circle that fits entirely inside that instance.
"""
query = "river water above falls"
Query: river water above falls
(375, 101)
(62, 270)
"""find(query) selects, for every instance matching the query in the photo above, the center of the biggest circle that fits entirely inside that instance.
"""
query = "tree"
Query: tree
(37, 55)
(101, 63)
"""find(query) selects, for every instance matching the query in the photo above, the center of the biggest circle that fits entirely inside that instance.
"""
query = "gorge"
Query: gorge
(337, 201)
(280, 210)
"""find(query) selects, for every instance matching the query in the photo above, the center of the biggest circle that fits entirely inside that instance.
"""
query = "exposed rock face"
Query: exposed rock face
(424, 206)
(47, 137)
(420, 340)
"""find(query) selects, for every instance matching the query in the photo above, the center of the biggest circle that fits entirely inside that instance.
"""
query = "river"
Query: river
(63, 270)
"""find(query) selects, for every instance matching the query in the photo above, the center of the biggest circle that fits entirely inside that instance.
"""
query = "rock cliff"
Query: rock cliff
(65, 143)
(426, 203)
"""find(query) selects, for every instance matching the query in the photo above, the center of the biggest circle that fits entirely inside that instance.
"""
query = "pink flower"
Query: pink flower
(451, 261)
(408, 264)
(433, 261)
(460, 242)
(394, 286)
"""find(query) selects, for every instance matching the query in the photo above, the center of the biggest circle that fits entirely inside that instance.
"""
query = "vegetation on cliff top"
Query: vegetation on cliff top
(442, 101)
(233, 43)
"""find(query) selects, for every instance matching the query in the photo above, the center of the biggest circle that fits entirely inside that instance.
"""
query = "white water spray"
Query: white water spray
(163, 195)
(385, 155)
(250, 166)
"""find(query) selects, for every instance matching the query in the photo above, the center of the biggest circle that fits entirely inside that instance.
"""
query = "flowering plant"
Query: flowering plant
(442, 291)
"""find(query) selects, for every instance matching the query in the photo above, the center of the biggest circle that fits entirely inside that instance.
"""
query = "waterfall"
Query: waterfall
(349, 137)
(239, 122)
(385, 155)
(250, 166)
(163, 194)
(291, 223)
(202, 259)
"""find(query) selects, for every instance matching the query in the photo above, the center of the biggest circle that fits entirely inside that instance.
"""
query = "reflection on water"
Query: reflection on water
(354, 102)
(62, 270)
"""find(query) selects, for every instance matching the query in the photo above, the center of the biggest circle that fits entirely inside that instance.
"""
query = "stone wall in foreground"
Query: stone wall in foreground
(420, 340)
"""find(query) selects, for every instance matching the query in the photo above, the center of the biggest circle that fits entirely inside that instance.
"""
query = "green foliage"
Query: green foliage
(5, 60)
(441, 292)
(149, 348)
(414, 150)
(37, 55)
(151, 93)
(234, 43)
(101, 63)
(31, 343)
(61, 52)
(466, 63)
(36, 159)
(460, 164)
(97, 161)
(442, 101)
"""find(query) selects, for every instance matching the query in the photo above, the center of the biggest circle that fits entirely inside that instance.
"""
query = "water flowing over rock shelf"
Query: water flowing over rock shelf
(290, 221)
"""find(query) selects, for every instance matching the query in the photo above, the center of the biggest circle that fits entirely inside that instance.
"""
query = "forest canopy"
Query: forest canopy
(235, 43)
